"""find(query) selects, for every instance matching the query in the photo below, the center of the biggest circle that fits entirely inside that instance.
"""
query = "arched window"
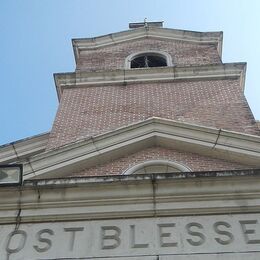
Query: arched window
(157, 166)
(148, 59)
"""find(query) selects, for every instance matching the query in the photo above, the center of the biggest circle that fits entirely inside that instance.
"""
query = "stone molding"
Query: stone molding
(180, 167)
(163, 54)
(146, 75)
(129, 196)
(85, 44)
(218, 143)
(17, 150)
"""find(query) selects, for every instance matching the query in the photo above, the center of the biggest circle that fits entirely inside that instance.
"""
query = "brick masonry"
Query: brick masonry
(182, 53)
(193, 161)
(90, 111)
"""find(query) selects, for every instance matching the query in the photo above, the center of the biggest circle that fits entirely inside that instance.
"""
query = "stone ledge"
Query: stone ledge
(137, 196)
(140, 177)
(146, 75)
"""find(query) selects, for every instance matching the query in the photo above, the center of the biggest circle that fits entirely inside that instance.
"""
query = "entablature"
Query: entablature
(157, 74)
(132, 196)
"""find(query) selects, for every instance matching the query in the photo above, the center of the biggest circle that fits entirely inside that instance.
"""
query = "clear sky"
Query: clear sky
(36, 42)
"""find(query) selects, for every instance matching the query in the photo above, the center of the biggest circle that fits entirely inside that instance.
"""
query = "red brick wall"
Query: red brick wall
(182, 53)
(89, 111)
(193, 161)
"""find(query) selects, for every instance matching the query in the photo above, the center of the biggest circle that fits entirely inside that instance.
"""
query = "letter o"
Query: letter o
(21, 242)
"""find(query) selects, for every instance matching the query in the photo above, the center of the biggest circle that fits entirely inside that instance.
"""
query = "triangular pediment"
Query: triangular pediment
(217, 143)
(81, 45)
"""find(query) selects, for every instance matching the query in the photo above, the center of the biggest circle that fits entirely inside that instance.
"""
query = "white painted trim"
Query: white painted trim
(80, 45)
(147, 195)
(142, 75)
(231, 146)
(20, 149)
(139, 166)
(163, 54)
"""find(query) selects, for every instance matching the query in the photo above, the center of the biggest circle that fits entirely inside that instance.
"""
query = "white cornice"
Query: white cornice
(20, 149)
(231, 146)
(111, 197)
(202, 72)
(80, 45)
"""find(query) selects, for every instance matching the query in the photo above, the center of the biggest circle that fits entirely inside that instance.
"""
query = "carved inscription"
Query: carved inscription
(133, 239)
(248, 229)
(12, 247)
(72, 232)
(221, 228)
(198, 238)
(166, 231)
(110, 237)
(45, 241)
(133, 236)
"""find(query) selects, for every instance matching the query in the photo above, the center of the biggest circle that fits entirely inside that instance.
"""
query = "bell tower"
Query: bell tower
(154, 154)
(149, 71)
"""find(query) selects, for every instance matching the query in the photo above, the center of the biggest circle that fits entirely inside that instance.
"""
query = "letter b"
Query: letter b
(111, 234)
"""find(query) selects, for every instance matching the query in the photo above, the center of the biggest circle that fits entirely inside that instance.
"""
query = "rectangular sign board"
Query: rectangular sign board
(11, 174)
(164, 238)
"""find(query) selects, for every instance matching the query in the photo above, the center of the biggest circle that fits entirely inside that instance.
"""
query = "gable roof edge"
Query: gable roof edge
(19, 149)
(155, 32)
(213, 142)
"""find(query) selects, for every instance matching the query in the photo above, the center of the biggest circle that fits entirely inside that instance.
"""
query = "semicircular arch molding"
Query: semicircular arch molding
(166, 56)
(156, 166)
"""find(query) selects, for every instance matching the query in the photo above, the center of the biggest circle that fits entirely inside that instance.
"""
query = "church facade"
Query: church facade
(154, 154)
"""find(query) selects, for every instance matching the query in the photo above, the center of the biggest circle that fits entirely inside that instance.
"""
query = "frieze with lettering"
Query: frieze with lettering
(132, 237)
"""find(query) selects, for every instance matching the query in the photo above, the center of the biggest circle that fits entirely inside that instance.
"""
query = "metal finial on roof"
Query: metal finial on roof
(145, 24)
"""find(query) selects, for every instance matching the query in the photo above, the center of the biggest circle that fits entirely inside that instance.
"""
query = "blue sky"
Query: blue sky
(36, 42)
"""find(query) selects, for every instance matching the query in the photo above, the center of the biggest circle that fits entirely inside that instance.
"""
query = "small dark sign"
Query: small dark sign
(11, 174)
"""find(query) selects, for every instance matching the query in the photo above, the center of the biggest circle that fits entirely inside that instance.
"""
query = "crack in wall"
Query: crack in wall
(154, 187)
